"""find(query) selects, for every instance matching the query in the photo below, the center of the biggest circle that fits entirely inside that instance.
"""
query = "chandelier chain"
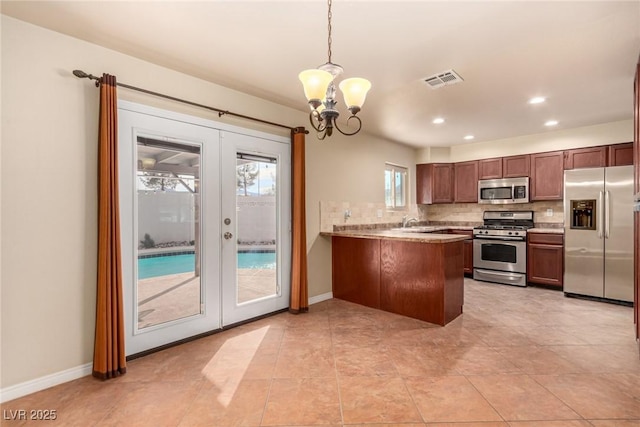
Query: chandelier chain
(329, 38)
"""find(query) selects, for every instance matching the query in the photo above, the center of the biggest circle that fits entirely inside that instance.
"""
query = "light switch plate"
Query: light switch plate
(379, 213)
(549, 212)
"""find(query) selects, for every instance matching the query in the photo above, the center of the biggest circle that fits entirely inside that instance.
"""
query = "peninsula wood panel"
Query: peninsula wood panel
(422, 281)
(453, 289)
(467, 250)
(356, 270)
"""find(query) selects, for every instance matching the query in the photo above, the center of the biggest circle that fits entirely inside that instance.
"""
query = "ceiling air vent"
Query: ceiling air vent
(445, 78)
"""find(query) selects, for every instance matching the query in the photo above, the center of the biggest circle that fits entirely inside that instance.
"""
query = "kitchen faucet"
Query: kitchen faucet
(406, 222)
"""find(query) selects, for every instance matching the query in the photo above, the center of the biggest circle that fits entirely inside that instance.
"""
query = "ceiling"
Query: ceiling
(580, 55)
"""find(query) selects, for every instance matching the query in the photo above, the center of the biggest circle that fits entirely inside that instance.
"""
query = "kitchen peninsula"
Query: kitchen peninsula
(419, 275)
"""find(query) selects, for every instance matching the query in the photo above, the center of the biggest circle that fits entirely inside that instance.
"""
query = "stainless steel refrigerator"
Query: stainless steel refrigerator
(598, 230)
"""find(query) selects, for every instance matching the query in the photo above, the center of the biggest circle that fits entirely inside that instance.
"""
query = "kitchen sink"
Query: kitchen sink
(419, 229)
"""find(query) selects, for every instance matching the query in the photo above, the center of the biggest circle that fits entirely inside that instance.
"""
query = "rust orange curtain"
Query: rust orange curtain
(299, 288)
(109, 355)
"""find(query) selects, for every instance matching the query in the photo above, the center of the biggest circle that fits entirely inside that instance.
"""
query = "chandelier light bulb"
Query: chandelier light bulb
(355, 91)
(315, 83)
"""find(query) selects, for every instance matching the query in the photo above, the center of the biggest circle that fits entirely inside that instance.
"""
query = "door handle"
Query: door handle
(228, 235)
(607, 214)
(600, 214)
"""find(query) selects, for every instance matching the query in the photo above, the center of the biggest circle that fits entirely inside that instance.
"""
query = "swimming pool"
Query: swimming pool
(183, 263)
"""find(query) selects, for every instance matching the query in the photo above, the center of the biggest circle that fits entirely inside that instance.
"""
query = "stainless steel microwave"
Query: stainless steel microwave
(503, 191)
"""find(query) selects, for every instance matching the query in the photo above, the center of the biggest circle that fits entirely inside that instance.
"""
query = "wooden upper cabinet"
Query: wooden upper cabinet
(620, 154)
(547, 176)
(515, 166)
(504, 167)
(490, 168)
(466, 182)
(592, 157)
(434, 183)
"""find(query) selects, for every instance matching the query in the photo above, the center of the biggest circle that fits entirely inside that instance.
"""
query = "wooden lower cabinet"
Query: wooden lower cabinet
(467, 250)
(545, 259)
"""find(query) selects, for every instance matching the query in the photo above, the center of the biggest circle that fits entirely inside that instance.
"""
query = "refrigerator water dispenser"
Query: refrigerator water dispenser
(583, 214)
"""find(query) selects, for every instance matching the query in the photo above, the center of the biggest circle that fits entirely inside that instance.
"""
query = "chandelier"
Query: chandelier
(320, 90)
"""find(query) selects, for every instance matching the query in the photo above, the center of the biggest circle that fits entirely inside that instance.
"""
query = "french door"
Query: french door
(256, 244)
(204, 225)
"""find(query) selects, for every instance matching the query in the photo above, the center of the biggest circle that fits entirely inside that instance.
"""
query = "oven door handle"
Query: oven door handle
(508, 276)
(498, 238)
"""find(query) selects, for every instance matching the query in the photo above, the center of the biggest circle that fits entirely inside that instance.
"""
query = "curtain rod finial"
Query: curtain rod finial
(80, 74)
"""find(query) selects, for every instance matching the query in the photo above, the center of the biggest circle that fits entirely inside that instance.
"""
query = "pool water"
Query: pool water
(174, 264)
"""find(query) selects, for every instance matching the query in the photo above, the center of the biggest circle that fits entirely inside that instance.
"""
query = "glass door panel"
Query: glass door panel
(257, 230)
(168, 283)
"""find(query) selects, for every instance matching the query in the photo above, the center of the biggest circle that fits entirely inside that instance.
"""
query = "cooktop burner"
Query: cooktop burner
(503, 227)
(506, 224)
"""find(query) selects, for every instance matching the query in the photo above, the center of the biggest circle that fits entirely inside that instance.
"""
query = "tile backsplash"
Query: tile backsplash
(333, 213)
(472, 212)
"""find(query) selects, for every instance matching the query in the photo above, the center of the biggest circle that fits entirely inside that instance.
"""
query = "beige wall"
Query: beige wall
(588, 136)
(48, 185)
(347, 169)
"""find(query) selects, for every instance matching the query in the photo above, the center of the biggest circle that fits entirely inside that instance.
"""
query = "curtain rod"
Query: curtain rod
(82, 75)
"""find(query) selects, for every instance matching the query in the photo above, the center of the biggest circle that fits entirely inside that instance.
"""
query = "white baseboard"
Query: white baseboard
(320, 298)
(28, 387)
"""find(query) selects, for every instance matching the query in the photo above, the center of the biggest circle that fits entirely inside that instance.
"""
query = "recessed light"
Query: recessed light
(551, 123)
(438, 120)
(468, 137)
(537, 100)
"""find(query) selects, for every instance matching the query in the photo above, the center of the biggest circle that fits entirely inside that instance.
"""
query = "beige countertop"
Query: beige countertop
(424, 237)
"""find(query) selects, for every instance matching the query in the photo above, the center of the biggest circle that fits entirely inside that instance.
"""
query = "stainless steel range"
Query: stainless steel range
(500, 247)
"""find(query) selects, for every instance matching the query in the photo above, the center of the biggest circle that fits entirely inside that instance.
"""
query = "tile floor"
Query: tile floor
(523, 357)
